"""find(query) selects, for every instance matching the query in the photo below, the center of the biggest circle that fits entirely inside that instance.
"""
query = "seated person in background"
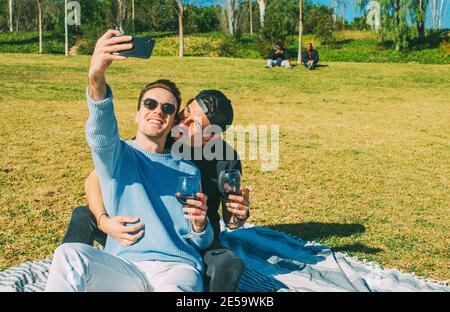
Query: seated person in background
(278, 57)
(310, 57)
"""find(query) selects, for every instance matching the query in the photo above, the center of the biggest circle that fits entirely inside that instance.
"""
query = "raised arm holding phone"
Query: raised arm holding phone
(223, 267)
(161, 259)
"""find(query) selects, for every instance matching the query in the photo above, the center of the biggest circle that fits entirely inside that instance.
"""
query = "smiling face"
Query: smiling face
(194, 119)
(155, 124)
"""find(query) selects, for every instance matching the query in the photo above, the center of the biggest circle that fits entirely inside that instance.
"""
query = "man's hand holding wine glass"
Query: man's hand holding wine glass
(239, 205)
(196, 212)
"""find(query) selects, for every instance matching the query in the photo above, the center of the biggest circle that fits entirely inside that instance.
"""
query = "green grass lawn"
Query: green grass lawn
(364, 156)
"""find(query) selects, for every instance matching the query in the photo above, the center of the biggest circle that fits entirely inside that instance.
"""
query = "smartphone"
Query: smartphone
(142, 48)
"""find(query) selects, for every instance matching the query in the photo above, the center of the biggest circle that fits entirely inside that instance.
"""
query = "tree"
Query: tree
(334, 6)
(11, 27)
(232, 16)
(280, 22)
(394, 20)
(401, 24)
(66, 30)
(262, 12)
(419, 8)
(300, 32)
(251, 16)
(180, 27)
(132, 15)
(121, 14)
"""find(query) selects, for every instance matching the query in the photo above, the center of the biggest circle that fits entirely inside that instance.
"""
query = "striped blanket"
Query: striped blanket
(274, 261)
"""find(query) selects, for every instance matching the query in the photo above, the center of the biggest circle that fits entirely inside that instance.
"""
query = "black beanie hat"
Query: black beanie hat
(217, 107)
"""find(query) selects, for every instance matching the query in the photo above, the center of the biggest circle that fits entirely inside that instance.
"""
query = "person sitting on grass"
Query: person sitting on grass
(222, 267)
(310, 57)
(278, 57)
(138, 178)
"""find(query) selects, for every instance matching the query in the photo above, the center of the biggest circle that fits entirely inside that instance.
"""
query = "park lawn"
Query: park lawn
(364, 154)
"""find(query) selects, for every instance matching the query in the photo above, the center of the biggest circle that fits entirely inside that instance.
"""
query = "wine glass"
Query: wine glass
(230, 184)
(187, 188)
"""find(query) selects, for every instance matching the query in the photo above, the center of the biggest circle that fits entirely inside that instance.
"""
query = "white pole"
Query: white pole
(40, 25)
(11, 27)
(66, 29)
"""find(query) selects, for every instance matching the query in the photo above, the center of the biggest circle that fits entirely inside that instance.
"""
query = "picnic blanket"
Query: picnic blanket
(274, 261)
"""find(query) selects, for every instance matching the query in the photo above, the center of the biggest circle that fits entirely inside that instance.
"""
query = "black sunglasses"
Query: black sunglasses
(166, 108)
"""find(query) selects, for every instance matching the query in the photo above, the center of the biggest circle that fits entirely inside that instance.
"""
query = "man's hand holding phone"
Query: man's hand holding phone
(104, 54)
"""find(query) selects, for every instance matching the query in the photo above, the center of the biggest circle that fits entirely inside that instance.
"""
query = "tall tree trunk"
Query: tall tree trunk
(300, 32)
(18, 15)
(262, 12)
(421, 11)
(441, 14)
(11, 26)
(180, 27)
(397, 24)
(251, 16)
(120, 14)
(40, 25)
(66, 29)
(343, 14)
(334, 5)
(132, 15)
(232, 9)
(433, 13)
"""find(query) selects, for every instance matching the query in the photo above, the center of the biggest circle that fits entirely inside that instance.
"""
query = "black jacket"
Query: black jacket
(282, 56)
(314, 56)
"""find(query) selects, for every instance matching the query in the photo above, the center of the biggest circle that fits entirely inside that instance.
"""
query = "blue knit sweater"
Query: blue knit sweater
(141, 184)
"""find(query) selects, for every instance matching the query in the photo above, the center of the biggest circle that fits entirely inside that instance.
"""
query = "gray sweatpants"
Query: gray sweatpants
(80, 267)
(271, 63)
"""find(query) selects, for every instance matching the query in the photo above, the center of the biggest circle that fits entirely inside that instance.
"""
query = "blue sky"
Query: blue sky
(351, 11)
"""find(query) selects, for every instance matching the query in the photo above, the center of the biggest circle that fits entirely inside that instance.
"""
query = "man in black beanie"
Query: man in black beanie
(223, 267)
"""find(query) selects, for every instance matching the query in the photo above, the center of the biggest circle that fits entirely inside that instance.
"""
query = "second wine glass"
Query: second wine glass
(230, 184)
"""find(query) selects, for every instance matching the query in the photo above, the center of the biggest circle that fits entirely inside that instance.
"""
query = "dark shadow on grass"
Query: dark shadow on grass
(313, 231)
(357, 248)
(316, 231)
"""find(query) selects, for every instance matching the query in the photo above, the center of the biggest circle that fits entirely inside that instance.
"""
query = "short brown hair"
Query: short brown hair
(163, 84)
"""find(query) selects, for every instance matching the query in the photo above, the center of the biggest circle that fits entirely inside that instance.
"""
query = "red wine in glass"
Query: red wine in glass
(187, 188)
(182, 198)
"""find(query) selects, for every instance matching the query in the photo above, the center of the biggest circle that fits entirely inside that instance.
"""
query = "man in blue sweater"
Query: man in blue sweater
(137, 178)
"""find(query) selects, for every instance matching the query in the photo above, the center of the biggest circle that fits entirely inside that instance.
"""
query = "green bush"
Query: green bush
(28, 42)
